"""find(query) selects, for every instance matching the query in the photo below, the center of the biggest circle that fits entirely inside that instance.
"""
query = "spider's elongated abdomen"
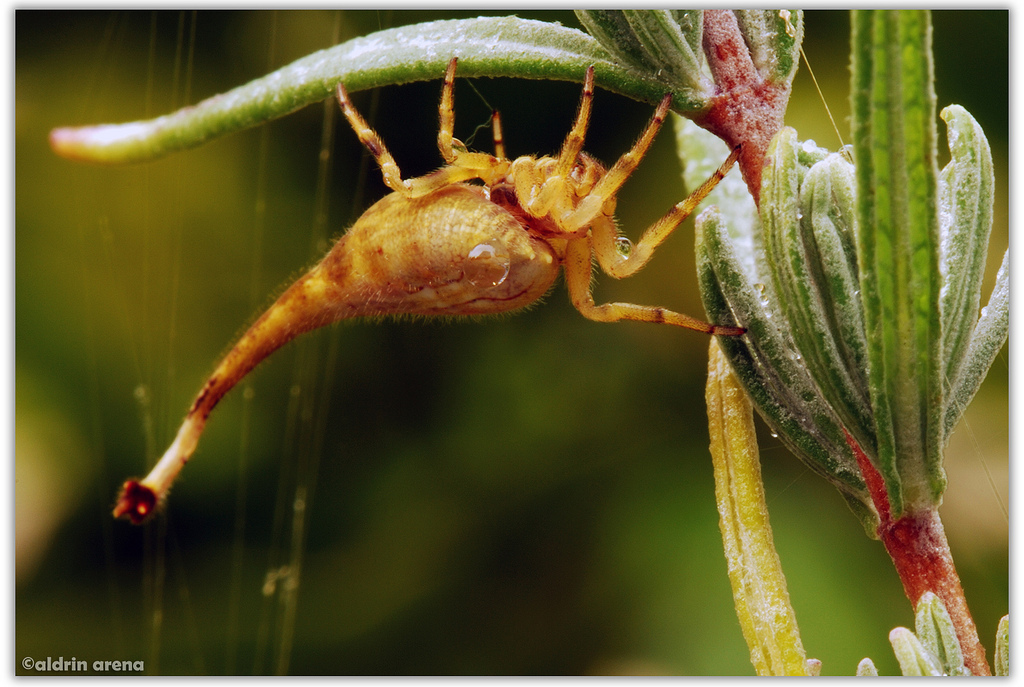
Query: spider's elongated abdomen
(440, 246)
(450, 252)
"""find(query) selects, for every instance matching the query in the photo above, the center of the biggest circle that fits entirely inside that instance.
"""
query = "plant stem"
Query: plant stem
(917, 544)
(748, 110)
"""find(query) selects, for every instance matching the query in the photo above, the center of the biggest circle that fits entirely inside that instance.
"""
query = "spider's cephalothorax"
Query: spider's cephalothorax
(482, 234)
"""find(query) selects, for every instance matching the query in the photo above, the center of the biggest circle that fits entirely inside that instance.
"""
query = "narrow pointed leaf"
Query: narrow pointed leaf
(487, 46)
(613, 31)
(814, 272)
(1001, 662)
(663, 43)
(758, 583)
(671, 47)
(774, 38)
(966, 196)
(987, 340)
(866, 668)
(937, 634)
(779, 385)
(898, 249)
(914, 659)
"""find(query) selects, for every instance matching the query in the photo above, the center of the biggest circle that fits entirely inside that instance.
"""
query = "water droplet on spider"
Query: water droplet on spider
(487, 264)
(624, 246)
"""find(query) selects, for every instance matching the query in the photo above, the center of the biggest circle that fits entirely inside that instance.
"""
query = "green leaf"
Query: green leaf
(780, 386)
(898, 249)
(866, 668)
(806, 216)
(847, 280)
(986, 341)
(966, 197)
(666, 43)
(672, 45)
(737, 286)
(613, 31)
(914, 659)
(774, 38)
(938, 635)
(966, 193)
(1002, 655)
(502, 46)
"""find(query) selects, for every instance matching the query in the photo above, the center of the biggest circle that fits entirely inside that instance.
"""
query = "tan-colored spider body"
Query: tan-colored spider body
(482, 234)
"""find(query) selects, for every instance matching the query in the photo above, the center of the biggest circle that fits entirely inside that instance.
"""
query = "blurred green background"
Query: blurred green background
(517, 495)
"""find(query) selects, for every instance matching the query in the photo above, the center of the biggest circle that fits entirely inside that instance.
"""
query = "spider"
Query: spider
(441, 245)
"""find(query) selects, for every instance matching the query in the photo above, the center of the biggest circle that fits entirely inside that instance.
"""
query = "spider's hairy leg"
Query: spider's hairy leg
(604, 233)
(446, 115)
(613, 180)
(574, 139)
(369, 138)
(577, 276)
(499, 137)
(462, 166)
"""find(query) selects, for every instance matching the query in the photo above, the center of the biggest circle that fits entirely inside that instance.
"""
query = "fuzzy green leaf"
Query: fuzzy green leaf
(966, 196)
(488, 46)
(806, 217)
(914, 659)
(987, 339)
(866, 668)
(781, 388)
(736, 286)
(847, 281)
(966, 192)
(1001, 660)
(613, 31)
(668, 43)
(898, 249)
(671, 40)
(938, 635)
(774, 38)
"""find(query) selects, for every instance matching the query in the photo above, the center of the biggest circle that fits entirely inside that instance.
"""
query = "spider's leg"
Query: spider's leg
(369, 138)
(573, 143)
(577, 276)
(499, 138)
(613, 180)
(446, 115)
(618, 264)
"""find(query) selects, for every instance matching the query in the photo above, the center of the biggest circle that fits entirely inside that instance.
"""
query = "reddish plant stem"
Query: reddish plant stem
(917, 544)
(748, 110)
